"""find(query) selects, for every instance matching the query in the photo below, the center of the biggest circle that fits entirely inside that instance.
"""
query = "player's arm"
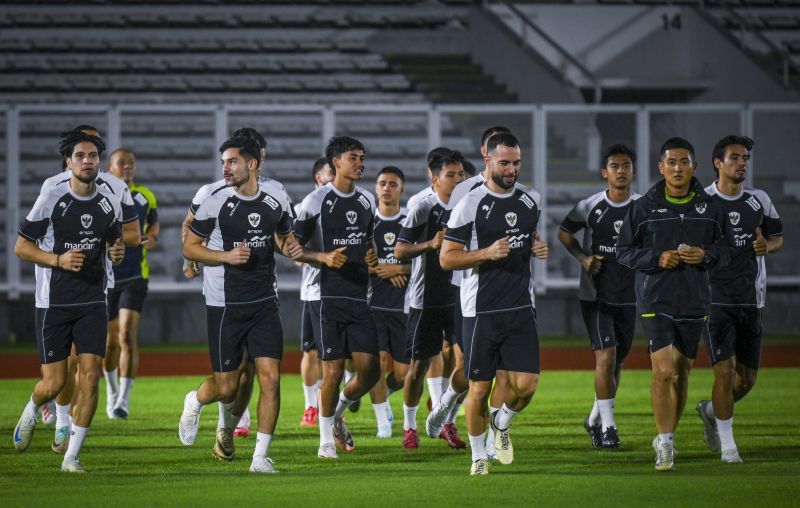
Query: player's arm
(590, 263)
(190, 268)
(454, 257)
(405, 250)
(29, 251)
(289, 246)
(195, 250)
(633, 254)
(131, 234)
(153, 229)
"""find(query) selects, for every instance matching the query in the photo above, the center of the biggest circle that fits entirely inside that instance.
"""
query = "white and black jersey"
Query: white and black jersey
(601, 220)
(383, 295)
(429, 285)
(478, 220)
(416, 198)
(743, 281)
(309, 277)
(328, 219)
(227, 219)
(61, 221)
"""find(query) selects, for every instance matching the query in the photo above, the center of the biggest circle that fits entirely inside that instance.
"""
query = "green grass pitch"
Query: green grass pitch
(140, 462)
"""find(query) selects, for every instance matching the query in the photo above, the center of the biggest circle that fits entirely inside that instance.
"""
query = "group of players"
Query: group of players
(442, 288)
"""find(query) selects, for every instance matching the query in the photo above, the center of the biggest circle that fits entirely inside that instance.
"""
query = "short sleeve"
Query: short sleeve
(38, 219)
(414, 224)
(205, 219)
(575, 219)
(462, 218)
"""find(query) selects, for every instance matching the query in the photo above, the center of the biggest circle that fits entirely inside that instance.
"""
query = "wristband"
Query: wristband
(58, 257)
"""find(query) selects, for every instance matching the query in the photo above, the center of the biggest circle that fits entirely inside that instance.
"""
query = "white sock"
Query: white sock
(112, 384)
(594, 415)
(317, 386)
(226, 418)
(62, 415)
(221, 415)
(262, 445)
(493, 410)
(32, 409)
(244, 420)
(710, 409)
(125, 388)
(478, 447)
(410, 417)
(725, 429)
(449, 397)
(668, 437)
(343, 404)
(310, 393)
(435, 389)
(380, 414)
(445, 384)
(451, 417)
(325, 429)
(606, 407)
(348, 375)
(194, 403)
(502, 419)
(76, 437)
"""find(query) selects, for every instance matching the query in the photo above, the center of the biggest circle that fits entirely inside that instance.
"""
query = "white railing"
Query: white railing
(540, 120)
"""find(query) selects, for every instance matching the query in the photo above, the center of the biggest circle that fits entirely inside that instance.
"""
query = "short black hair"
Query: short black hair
(677, 143)
(249, 132)
(469, 168)
(491, 131)
(393, 170)
(318, 165)
(442, 159)
(66, 146)
(722, 144)
(248, 147)
(338, 145)
(439, 150)
(81, 127)
(617, 149)
(501, 138)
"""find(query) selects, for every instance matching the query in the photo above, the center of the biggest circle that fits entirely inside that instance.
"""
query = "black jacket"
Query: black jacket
(654, 225)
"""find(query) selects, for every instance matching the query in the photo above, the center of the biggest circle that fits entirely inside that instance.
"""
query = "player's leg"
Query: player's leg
(269, 402)
(435, 378)
(238, 411)
(379, 395)
(332, 373)
(310, 365)
(748, 352)
(688, 335)
(111, 359)
(477, 420)
(128, 358)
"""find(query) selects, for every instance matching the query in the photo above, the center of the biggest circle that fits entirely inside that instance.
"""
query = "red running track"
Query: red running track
(196, 363)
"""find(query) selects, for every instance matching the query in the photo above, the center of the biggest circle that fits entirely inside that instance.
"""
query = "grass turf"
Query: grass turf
(141, 461)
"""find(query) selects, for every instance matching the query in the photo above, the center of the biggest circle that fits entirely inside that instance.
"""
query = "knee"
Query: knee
(90, 377)
(606, 362)
(227, 388)
(526, 388)
(53, 386)
(747, 381)
(269, 381)
(663, 374)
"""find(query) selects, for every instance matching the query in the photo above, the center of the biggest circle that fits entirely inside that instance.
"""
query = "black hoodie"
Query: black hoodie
(653, 225)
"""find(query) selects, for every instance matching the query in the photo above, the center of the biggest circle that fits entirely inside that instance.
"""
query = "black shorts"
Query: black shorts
(734, 331)
(501, 341)
(426, 330)
(391, 327)
(683, 332)
(309, 325)
(234, 328)
(610, 326)
(129, 294)
(58, 327)
(346, 327)
(458, 319)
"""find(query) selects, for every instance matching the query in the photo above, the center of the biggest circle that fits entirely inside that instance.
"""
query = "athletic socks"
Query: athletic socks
(348, 375)
(194, 403)
(449, 399)
(435, 388)
(76, 437)
(606, 407)
(445, 384)
(594, 415)
(125, 388)
(325, 429)
(410, 417)
(222, 417)
(381, 414)
(62, 415)
(668, 437)
(112, 383)
(262, 445)
(502, 419)
(310, 393)
(451, 417)
(343, 404)
(725, 429)
(478, 447)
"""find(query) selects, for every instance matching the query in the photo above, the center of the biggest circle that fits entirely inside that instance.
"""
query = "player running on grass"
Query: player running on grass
(430, 296)
(242, 225)
(608, 303)
(738, 292)
(71, 229)
(491, 235)
(336, 223)
(672, 236)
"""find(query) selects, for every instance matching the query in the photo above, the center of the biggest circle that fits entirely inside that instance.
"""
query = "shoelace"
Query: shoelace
(504, 439)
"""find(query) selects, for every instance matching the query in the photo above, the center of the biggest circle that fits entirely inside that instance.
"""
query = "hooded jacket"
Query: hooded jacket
(653, 225)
